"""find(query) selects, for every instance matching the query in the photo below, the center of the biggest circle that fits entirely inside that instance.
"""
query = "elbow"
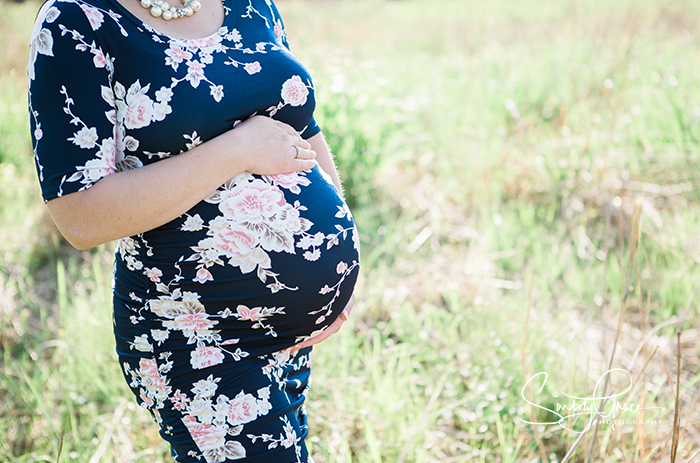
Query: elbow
(78, 237)
(73, 225)
(82, 245)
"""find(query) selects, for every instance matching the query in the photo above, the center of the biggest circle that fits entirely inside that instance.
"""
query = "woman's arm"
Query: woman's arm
(132, 202)
(325, 160)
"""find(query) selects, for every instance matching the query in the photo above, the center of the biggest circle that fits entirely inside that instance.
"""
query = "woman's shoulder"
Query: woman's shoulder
(75, 14)
(66, 27)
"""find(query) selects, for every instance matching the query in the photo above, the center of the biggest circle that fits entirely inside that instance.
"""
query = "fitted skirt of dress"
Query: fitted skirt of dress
(206, 307)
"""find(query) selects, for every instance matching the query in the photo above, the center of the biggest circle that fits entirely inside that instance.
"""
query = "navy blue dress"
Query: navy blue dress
(206, 306)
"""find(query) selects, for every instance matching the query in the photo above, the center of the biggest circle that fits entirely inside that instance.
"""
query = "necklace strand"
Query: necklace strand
(160, 8)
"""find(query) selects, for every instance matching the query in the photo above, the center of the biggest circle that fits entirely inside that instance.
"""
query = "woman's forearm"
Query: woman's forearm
(132, 202)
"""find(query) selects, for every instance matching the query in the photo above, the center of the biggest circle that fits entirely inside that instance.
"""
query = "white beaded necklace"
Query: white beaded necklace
(167, 12)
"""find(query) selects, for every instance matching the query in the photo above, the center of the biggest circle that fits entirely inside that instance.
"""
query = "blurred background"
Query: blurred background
(525, 179)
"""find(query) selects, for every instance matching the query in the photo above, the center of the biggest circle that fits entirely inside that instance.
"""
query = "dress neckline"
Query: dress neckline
(228, 9)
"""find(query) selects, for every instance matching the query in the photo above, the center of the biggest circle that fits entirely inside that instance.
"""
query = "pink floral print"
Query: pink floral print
(294, 91)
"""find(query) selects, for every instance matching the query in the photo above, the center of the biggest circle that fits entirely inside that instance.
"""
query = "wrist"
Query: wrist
(231, 154)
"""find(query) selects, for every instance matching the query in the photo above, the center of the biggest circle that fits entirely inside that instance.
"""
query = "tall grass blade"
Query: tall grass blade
(372, 444)
(677, 407)
(421, 422)
(631, 258)
(39, 397)
(527, 372)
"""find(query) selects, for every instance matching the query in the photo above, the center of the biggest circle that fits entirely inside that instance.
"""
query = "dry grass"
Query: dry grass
(525, 179)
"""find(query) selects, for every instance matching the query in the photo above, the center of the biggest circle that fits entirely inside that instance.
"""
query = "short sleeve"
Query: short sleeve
(313, 128)
(71, 103)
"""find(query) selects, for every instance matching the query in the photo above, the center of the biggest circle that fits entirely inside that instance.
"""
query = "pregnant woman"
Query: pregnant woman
(187, 133)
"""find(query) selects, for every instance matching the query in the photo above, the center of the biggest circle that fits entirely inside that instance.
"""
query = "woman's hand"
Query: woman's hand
(269, 147)
(134, 201)
(334, 328)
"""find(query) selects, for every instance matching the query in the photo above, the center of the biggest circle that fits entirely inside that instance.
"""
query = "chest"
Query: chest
(173, 93)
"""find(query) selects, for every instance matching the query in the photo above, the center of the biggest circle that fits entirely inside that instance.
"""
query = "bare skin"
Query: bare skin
(201, 24)
(332, 329)
(132, 202)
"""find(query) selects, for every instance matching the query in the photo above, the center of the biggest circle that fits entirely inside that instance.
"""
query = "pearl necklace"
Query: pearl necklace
(167, 12)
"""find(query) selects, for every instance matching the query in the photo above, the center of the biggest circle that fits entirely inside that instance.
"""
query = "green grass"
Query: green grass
(492, 153)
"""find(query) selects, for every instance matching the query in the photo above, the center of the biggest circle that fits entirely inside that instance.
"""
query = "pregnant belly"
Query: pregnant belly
(259, 265)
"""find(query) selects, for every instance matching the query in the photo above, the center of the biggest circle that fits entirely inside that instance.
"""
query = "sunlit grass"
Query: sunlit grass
(493, 154)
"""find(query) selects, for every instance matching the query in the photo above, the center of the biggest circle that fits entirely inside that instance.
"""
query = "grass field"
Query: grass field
(525, 177)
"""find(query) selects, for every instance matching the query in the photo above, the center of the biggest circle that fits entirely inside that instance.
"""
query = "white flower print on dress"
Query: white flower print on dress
(85, 138)
(291, 181)
(279, 31)
(294, 91)
(206, 356)
(154, 386)
(205, 387)
(203, 275)
(41, 41)
(252, 68)
(312, 255)
(312, 241)
(193, 223)
(195, 72)
(127, 248)
(255, 220)
(94, 16)
(233, 36)
(209, 422)
(287, 440)
(142, 343)
(176, 55)
(162, 108)
(242, 409)
(217, 91)
(206, 436)
(135, 109)
(182, 311)
(160, 336)
(259, 315)
(153, 274)
(100, 60)
(343, 269)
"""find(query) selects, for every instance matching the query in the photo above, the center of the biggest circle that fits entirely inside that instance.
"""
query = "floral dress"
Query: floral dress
(206, 306)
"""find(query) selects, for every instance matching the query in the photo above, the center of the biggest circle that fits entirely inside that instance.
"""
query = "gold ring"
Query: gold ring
(296, 148)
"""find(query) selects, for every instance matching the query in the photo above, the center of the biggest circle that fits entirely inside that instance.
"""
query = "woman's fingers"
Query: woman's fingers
(301, 143)
(349, 306)
(299, 165)
(328, 332)
(303, 153)
(272, 147)
(296, 139)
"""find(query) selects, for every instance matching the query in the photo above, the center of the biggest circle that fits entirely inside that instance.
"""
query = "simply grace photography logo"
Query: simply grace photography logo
(601, 409)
